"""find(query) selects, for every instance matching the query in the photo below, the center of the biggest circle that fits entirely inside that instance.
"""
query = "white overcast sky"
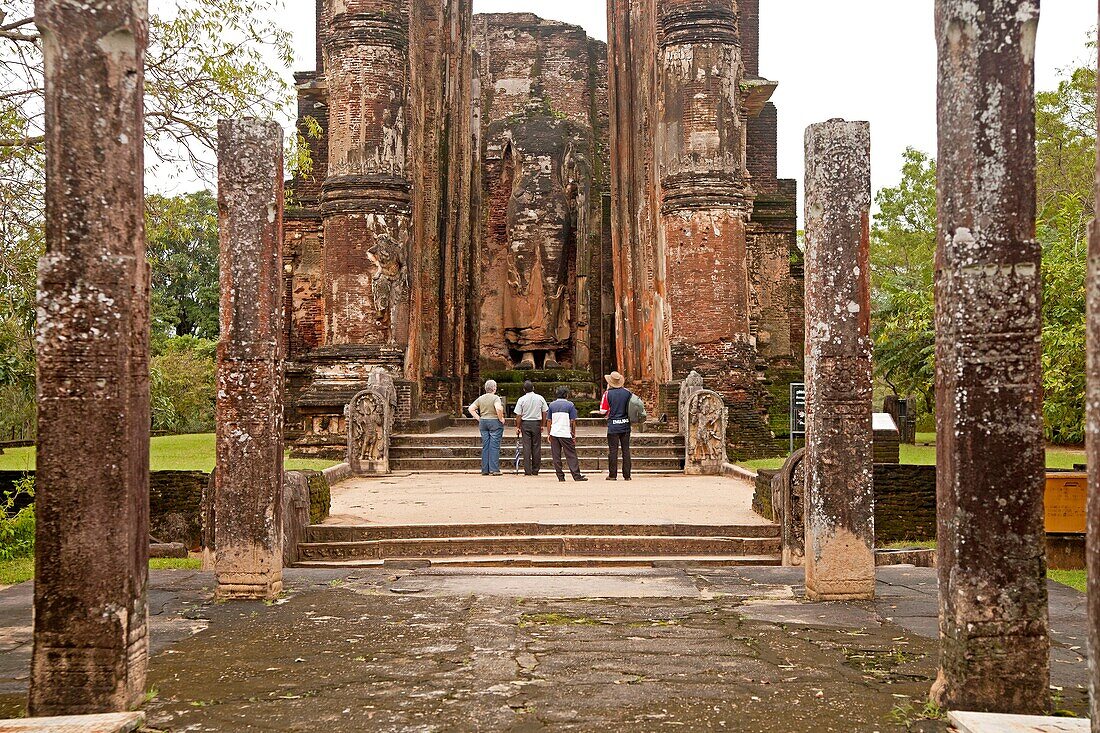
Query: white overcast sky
(857, 59)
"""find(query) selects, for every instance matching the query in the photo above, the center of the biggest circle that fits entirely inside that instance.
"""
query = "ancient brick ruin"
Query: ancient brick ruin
(459, 218)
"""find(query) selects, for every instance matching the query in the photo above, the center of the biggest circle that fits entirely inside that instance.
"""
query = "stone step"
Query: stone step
(593, 452)
(563, 561)
(322, 533)
(587, 465)
(537, 546)
(473, 439)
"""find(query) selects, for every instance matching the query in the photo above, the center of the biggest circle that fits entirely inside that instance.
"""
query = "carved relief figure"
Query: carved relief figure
(705, 431)
(541, 226)
(692, 383)
(389, 282)
(366, 424)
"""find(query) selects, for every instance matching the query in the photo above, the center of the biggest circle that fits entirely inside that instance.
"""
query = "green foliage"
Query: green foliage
(183, 387)
(903, 254)
(182, 235)
(903, 247)
(17, 528)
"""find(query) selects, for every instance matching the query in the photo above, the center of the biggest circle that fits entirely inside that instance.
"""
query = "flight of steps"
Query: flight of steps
(461, 451)
(540, 545)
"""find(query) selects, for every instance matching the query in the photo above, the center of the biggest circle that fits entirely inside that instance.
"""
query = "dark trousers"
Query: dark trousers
(568, 446)
(531, 433)
(614, 443)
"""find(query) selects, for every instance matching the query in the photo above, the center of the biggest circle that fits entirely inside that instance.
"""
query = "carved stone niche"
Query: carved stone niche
(705, 434)
(370, 418)
(692, 383)
(789, 509)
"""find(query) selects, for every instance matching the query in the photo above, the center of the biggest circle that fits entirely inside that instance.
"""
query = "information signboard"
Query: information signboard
(798, 411)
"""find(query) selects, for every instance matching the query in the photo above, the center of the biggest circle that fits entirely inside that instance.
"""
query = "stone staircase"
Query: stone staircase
(540, 545)
(460, 450)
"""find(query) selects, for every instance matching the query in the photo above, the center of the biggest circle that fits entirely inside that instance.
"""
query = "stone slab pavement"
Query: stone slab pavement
(519, 650)
(463, 498)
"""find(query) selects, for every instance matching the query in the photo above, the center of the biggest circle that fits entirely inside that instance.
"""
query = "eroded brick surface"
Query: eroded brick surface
(92, 483)
(994, 628)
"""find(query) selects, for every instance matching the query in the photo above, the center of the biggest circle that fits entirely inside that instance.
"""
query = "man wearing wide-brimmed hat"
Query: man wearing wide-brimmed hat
(616, 405)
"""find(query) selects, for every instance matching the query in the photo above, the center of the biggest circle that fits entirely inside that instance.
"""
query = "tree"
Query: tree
(903, 255)
(903, 250)
(207, 59)
(182, 234)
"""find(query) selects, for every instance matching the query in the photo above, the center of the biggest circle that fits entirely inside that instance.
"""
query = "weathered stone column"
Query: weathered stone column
(249, 478)
(840, 519)
(90, 642)
(990, 458)
(365, 201)
(1092, 426)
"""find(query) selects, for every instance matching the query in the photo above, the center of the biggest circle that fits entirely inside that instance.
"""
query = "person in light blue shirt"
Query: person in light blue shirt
(563, 434)
(531, 410)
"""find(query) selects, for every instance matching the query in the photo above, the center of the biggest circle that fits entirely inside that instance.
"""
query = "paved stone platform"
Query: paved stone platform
(523, 650)
(462, 498)
(105, 723)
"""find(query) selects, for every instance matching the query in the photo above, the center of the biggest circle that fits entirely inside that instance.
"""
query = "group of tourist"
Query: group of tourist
(558, 419)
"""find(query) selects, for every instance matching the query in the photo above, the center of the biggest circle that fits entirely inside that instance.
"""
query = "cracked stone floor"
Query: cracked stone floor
(518, 650)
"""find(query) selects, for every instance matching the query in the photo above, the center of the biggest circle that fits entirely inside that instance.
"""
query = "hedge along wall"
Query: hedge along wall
(905, 501)
(175, 502)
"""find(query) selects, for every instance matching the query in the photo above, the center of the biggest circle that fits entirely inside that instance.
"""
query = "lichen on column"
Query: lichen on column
(995, 644)
(839, 495)
(249, 476)
(92, 483)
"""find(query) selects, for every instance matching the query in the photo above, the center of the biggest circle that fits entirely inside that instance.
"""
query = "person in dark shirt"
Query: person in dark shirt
(616, 405)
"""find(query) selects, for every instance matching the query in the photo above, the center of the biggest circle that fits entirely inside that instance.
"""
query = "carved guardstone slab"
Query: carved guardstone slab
(103, 723)
(705, 434)
(370, 419)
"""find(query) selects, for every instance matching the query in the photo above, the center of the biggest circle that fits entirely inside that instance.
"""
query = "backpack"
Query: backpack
(636, 410)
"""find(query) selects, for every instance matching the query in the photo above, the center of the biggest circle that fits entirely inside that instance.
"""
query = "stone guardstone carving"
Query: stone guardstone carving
(705, 434)
(370, 419)
(788, 507)
(692, 383)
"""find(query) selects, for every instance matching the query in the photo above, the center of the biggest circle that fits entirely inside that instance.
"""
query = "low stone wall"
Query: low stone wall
(762, 497)
(905, 503)
(175, 506)
(320, 496)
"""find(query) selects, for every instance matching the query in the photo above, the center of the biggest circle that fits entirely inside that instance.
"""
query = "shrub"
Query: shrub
(17, 531)
(183, 386)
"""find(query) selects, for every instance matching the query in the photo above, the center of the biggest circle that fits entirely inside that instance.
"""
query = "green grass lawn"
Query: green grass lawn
(1073, 578)
(166, 453)
(924, 454)
(22, 569)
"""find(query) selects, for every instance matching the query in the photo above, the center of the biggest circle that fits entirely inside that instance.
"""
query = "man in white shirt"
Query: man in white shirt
(563, 435)
(531, 410)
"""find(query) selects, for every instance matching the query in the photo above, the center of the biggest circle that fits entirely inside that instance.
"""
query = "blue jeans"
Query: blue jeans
(492, 431)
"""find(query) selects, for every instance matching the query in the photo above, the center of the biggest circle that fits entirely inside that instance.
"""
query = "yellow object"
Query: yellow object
(1066, 497)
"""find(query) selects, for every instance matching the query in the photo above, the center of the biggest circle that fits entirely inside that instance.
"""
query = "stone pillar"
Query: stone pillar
(365, 201)
(840, 519)
(705, 196)
(249, 478)
(1092, 425)
(90, 634)
(995, 646)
